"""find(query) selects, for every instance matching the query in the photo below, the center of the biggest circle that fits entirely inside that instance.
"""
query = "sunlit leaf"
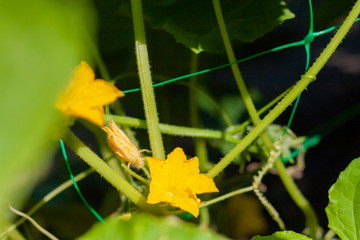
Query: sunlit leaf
(285, 235)
(343, 210)
(149, 228)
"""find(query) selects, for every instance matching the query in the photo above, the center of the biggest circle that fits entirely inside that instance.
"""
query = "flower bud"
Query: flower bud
(122, 146)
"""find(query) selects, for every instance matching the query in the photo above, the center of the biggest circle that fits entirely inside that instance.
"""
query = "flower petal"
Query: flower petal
(187, 204)
(156, 169)
(85, 97)
(191, 167)
(157, 193)
(94, 115)
(101, 92)
(177, 181)
(177, 155)
(83, 74)
(202, 183)
(180, 166)
(173, 170)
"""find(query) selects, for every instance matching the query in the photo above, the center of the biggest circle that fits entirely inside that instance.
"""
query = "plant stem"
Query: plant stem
(168, 129)
(261, 125)
(48, 197)
(234, 67)
(10, 231)
(34, 223)
(105, 151)
(289, 184)
(152, 119)
(200, 144)
(105, 171)
(261, 111)
(134, 174)
(257, 179)
(226, 196)
(186, 131)
(204, 221)
(329, 235)
(331, 47)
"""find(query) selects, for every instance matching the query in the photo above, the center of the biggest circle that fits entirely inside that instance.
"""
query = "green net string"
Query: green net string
(275, 49)
(98, 217)
(311, 141)
(306, 42)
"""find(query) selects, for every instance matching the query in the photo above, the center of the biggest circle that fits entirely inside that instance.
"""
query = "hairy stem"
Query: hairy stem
(257, 179)
(226, 196)
(261, 125)
(134, 174)
(147, 90)
(168, 129)
(105, 171)
(234, 67)
(187, 131)
(261, 111)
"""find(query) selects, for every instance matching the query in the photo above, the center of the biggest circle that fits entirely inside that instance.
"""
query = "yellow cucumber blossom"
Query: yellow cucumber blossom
(177, 181)
(85, 96)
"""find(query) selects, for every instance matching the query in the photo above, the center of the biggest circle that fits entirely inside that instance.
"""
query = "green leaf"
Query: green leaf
(40, 43)
(148, 227)
(343, 210)
(234, 106)
(194, 24)
(285, 235)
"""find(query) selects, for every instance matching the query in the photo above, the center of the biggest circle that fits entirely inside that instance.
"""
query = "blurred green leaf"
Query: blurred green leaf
(285, 235)
(40, 43)
(206, 101)
(193, 23)
(225, 148)
(148, 227)
(234, 106)
(343, 210)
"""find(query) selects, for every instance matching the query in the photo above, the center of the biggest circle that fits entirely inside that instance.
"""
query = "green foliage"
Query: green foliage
(289, 142)
(285, 235)
(193, 23)
(234, 106)
(40, 43)
(148, 227)
(344, 197)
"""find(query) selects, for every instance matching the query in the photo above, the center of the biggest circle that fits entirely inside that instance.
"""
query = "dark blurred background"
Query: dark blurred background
(335, 90)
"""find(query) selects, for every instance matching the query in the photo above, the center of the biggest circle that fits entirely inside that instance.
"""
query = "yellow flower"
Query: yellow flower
(85, 97)
(122, 146)
(177, 181)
